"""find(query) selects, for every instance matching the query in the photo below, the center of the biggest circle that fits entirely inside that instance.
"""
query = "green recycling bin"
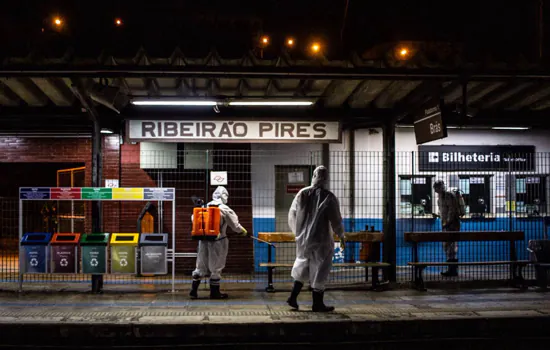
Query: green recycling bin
(94, 253)
(123, 253)
(153, 248)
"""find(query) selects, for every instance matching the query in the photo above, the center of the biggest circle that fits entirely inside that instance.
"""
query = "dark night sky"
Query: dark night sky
(483, 25)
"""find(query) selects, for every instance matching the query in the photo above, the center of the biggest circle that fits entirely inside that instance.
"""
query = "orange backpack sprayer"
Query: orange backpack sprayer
(206, 221)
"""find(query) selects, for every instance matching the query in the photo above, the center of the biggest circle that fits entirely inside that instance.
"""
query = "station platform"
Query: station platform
(68, 316)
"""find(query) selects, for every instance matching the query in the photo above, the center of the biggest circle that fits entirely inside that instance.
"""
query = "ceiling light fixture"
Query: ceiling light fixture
(270, 103)
(106, 131)
(173, 103)
(510, 128)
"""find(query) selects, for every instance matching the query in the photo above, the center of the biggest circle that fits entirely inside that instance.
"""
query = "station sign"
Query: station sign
(159, 193)
(97, 193)
(127, 193)
(65, 193)
(233, 131)
(459, 158)
(428, 125)
(34, 193)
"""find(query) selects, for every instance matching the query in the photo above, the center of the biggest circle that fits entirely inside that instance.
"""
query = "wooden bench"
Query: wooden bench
(516, 266)
(376, 238)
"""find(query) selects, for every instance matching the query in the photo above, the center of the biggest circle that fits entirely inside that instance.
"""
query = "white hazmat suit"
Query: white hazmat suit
(212, 255)
(314, 211)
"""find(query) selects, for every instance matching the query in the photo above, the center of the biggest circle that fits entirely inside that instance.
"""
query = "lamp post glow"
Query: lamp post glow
(316, 48)
(290, 42)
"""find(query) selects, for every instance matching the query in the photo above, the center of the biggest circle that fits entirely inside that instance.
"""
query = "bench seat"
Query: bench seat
(367, 264)
(516, 267)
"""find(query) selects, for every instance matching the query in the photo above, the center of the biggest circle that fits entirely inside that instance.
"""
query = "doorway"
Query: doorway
(289, 180)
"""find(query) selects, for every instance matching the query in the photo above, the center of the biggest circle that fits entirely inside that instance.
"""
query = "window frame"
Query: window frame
(488, 191)
(429, 182)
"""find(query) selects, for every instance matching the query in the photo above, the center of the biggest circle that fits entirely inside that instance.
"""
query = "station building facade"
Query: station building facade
(503, 175)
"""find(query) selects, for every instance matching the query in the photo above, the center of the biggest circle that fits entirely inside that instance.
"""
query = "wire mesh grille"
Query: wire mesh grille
(262, 183)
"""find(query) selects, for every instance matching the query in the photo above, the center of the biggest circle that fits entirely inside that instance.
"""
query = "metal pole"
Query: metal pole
(325, 157)
(97, 143)
(160, 206)
(174, 242)
(389, 216)
(541, 35)
(412, 191)
(20, 237)
(207, 178)
(351, 154)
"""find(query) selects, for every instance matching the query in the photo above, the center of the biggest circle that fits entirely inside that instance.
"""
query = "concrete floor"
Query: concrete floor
(248, 302)
(63, 312)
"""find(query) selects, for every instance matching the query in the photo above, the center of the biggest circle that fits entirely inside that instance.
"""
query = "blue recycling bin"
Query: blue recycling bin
(34, 254)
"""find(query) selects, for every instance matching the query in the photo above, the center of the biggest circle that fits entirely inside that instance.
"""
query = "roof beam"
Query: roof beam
(500, 94)
(294, 72)
(56, 90)
(26, 90)
(8, 97)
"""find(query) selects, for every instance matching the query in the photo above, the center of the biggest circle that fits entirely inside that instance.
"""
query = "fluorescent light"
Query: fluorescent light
(270, 103)
(510, 128)
(173, 103)
(106, 131)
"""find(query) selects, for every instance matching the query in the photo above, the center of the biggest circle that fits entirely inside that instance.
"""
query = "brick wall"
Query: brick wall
(122, 162)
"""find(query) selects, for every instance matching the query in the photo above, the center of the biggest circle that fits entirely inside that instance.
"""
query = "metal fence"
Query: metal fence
(262, 181)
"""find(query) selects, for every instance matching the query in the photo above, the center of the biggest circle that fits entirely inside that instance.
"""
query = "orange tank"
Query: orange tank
(206, 223)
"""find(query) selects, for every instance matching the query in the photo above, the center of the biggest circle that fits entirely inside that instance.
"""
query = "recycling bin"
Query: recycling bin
(34, 253)
(153, 249)
(94, 253)
(64, 253)
(123, 253)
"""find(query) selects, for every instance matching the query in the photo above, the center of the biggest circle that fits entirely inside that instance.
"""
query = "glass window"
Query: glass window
(71, 214)
(415, 195)
(476, 190)
(530, 194)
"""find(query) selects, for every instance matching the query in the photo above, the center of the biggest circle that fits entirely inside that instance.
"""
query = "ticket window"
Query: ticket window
(71, 214)
(530, 194)
(476, 191)
(415, 195)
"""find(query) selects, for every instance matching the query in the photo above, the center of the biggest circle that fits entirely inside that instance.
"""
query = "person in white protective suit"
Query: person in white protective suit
(211, 255)
(314, 211)
(450, 221)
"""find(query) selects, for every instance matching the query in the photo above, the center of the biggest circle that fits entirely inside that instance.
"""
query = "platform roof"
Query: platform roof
(35, 90)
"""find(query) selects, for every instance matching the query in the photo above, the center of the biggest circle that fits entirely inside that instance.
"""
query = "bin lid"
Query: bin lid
(153, 239)
(124, 238)
(65, 238)
(36, 238)
(94, 239)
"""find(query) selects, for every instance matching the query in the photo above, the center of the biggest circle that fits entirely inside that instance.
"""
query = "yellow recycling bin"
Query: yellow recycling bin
(123, 253)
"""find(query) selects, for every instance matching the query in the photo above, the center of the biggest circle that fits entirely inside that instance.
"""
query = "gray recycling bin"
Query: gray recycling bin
(153, 250)
(34, 253)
